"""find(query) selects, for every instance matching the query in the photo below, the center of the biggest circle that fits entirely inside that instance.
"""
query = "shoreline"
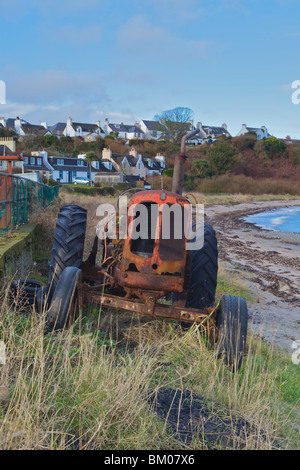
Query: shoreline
(268, 262)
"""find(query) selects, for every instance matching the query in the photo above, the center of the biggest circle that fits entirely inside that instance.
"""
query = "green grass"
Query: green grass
(229, 283)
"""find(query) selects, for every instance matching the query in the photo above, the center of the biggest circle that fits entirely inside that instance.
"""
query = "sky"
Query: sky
(230, 61)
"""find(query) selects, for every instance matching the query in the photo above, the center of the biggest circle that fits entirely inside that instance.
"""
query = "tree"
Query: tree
(90, 157)
(221, 157)
(175, 123)
(274, 146)
(202, 168)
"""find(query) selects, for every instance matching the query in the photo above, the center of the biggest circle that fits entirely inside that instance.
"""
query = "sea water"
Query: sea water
(286, 219)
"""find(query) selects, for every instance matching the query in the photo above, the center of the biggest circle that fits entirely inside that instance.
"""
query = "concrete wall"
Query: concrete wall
(16, 248)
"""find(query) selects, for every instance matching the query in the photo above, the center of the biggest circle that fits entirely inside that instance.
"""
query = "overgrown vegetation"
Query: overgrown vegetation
(228, 165)
(89, 387)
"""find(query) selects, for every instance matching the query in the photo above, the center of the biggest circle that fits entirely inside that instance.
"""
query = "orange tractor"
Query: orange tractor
(137, 272)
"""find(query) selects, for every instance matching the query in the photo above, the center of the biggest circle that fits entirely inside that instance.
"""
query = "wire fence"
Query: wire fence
(19, 197)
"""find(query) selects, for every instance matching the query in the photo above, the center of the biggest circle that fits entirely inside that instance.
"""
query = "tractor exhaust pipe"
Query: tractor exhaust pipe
(179, 164)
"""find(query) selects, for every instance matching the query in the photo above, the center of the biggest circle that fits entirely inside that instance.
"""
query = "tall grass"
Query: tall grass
(84, 388)
(87, 387)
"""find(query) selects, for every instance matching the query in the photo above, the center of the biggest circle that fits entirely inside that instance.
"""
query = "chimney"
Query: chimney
(224, 126)
(18, 125)
(107, 153)
(98, 123)
(44, 124)
(133, 152)
(69, 121)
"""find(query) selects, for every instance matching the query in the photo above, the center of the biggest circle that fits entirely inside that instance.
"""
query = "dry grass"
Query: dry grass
(88, 389)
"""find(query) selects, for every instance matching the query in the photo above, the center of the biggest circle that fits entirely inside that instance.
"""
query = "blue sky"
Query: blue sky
(229, 61)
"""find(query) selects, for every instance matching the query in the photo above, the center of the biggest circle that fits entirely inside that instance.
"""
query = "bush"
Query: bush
(221, 157)
(240, 184)
(168, 172)
(274, 146)
(92, 190)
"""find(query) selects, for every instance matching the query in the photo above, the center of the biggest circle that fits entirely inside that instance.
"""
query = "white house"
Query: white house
(65, 169)
(123, 131)
(79, 129)
(261, 132)
(24, 128)
(213, 132)
(151, 129)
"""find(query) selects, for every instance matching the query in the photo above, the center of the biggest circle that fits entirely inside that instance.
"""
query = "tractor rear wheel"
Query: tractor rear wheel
(65, 300)
(25, 290)
(231, 323)
(203, 272)
(68, 243)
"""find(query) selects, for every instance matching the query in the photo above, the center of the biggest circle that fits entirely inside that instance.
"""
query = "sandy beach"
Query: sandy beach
(268, 263)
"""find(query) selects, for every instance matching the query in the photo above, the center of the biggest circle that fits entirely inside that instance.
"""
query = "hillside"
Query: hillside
(231, 165)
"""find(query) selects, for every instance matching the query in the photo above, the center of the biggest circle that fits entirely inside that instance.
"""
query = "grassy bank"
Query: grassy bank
(89, 387)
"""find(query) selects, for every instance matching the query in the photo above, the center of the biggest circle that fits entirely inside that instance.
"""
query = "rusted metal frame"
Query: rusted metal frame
(136, 280)
(145, 264)
(150, 307)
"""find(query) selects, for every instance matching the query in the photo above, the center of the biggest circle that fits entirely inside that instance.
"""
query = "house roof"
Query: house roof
(43, 131)
(153, 125)
(155, 165)
(4, 150)
(32, 129)
(70, 164)
(103, 169)
(10, 123)
(132, 178)
(42, 167)
(216, 130)
(131, 160)
(90, 128)
(254, 129)
(59, 126)
(129, 128)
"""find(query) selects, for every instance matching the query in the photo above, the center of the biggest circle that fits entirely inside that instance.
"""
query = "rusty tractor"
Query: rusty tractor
(137, 272)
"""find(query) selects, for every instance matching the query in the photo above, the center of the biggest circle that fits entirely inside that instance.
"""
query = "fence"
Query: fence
(18, 197)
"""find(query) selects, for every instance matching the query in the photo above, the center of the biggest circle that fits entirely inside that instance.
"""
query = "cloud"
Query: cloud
(56, 86)
(53, 95)
(187, 10)
(139, 37)
(75, 34)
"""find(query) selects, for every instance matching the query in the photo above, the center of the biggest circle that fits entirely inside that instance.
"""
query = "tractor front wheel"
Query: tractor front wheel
(231, 323)
(65, 300)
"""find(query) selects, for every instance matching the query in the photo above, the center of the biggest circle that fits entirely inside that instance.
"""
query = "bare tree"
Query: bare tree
(175, 123)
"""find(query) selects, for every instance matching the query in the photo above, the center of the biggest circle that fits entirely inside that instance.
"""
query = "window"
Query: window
(74, 174)
(25, 160)
(108, 165)
(80, 162)
(32, 161)
(39, 161)
(61, 175)
(60, 161)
